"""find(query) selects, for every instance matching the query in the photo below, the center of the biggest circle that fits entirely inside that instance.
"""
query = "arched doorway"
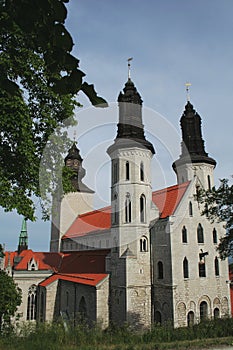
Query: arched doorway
(190, 319)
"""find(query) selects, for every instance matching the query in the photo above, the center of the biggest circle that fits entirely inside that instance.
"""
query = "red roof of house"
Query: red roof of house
(92, 261)
(90, 279)
(166, 200)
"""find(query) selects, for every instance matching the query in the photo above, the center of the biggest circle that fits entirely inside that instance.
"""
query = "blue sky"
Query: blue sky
(171, 42)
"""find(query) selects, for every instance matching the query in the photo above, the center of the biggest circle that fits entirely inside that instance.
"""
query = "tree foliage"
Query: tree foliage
(219, 207)
(39, 82)
(10, 299)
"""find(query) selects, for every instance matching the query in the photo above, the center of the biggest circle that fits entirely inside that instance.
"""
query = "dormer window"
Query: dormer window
(32, 265)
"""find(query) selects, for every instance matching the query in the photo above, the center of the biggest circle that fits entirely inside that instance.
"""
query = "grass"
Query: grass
(54, 337)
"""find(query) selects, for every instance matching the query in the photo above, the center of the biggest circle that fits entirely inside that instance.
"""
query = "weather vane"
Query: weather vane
(129, 59)
(187, 90)
(75, 136)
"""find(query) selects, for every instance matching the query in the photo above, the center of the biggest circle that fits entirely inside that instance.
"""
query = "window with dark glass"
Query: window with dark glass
(184, 235)
(127, 208)
(142, 208)
(31, 303)
(190, 209)
(127, 170)
(185, 268)
(209, 182)
(203, 310)
(143, 244)
(160, 270)
(215, 236)
(202, 270)
(200, 234)
(142, 171)
(216, 266)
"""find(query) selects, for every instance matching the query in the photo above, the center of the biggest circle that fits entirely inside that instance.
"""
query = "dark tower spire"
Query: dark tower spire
(23, 237)
(73, 160)
(130, 129)
(192, 145)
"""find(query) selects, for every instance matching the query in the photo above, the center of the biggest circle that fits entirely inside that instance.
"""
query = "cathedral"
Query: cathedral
(149, 257)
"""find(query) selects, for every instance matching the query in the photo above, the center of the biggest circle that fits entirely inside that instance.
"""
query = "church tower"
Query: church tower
(131, 199)
(193, 161)
(67, 207)
(23, 237)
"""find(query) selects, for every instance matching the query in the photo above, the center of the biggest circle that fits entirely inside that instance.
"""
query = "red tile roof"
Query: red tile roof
(167, 201)
(90, 279)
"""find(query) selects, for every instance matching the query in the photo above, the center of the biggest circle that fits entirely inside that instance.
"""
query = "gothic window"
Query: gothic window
(160, 270)
(142, 208)
(158, 317)
(127, 170)
(31, 304)
(115, 211)
(200, 234)
(203, 310)
(143, 244)
(202, 271)
(209, 182)
(142, 171)
(215, 236)
(127, 208)
(115, 172)
(190, 319)
(216, 266)
(82, 308)
(190, 209)
(184, 235)
(185, 268)
(216, 313)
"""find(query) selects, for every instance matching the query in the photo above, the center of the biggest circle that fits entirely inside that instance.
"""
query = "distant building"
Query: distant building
(148, 257)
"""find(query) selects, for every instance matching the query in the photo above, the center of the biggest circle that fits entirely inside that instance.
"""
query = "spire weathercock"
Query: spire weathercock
(129, 65)
(187, 91)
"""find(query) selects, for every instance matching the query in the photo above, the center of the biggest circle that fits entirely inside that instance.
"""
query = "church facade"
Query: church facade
(150, 256)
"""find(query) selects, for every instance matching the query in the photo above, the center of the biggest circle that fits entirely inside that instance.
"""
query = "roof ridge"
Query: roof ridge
(95, 211)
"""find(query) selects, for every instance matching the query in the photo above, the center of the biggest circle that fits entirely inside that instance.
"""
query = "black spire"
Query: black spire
(130, 129)
(192, 145)
(73, 160)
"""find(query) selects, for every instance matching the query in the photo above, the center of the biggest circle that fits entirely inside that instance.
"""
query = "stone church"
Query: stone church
(149, 257)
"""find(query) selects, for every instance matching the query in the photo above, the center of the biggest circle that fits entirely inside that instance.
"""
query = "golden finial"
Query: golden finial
(129, 59)
(187, 91)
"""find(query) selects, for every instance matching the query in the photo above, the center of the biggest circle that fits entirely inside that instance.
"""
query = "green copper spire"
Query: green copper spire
(23, 237)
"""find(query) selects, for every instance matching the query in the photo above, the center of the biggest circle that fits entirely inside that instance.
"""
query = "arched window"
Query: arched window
(142, 208)
(184, 235)
(202, 271)
(200, 234)
(127, 170)
(215, 236)
(203, 310)
(142, 171)
(82, 308)
(185, 268)
(216, 313)
(209, 182)
(158, 317)
(190, 209)
(31, 304)
(115, 172)
(115, 217)
(143, 244)
(216, 266)
(160, 270)
(127, 208)
(190, 318)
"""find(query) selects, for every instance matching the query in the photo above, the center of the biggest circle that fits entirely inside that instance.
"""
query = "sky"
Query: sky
(171, 42)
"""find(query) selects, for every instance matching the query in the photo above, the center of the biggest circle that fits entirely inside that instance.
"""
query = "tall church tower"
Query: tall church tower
(131, 199)
(23, 237)
(67, 207)
(193, 161)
